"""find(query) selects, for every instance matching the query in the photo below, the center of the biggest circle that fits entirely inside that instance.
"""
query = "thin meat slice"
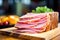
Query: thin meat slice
(29, 15)
(29, 18)
(23, 25)
(25, 30)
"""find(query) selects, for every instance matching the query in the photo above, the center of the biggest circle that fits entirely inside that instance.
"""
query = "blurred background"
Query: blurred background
(21, 7)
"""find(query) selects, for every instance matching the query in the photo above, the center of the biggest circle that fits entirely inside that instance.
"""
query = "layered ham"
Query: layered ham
(34, 23)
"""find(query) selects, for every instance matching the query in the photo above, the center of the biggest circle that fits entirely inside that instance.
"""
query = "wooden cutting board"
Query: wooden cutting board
(26, 36)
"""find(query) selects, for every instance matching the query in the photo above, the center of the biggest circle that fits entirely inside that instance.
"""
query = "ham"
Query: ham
(36, 23)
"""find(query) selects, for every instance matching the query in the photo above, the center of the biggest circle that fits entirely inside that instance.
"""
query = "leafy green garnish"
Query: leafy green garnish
(42, 10)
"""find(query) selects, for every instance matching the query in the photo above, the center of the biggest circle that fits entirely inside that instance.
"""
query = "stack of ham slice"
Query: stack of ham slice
(36, 23)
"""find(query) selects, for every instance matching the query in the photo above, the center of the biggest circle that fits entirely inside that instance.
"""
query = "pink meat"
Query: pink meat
(38, 28)
(32, 17)
(32, 23)
(23, 25)
(25, 31)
